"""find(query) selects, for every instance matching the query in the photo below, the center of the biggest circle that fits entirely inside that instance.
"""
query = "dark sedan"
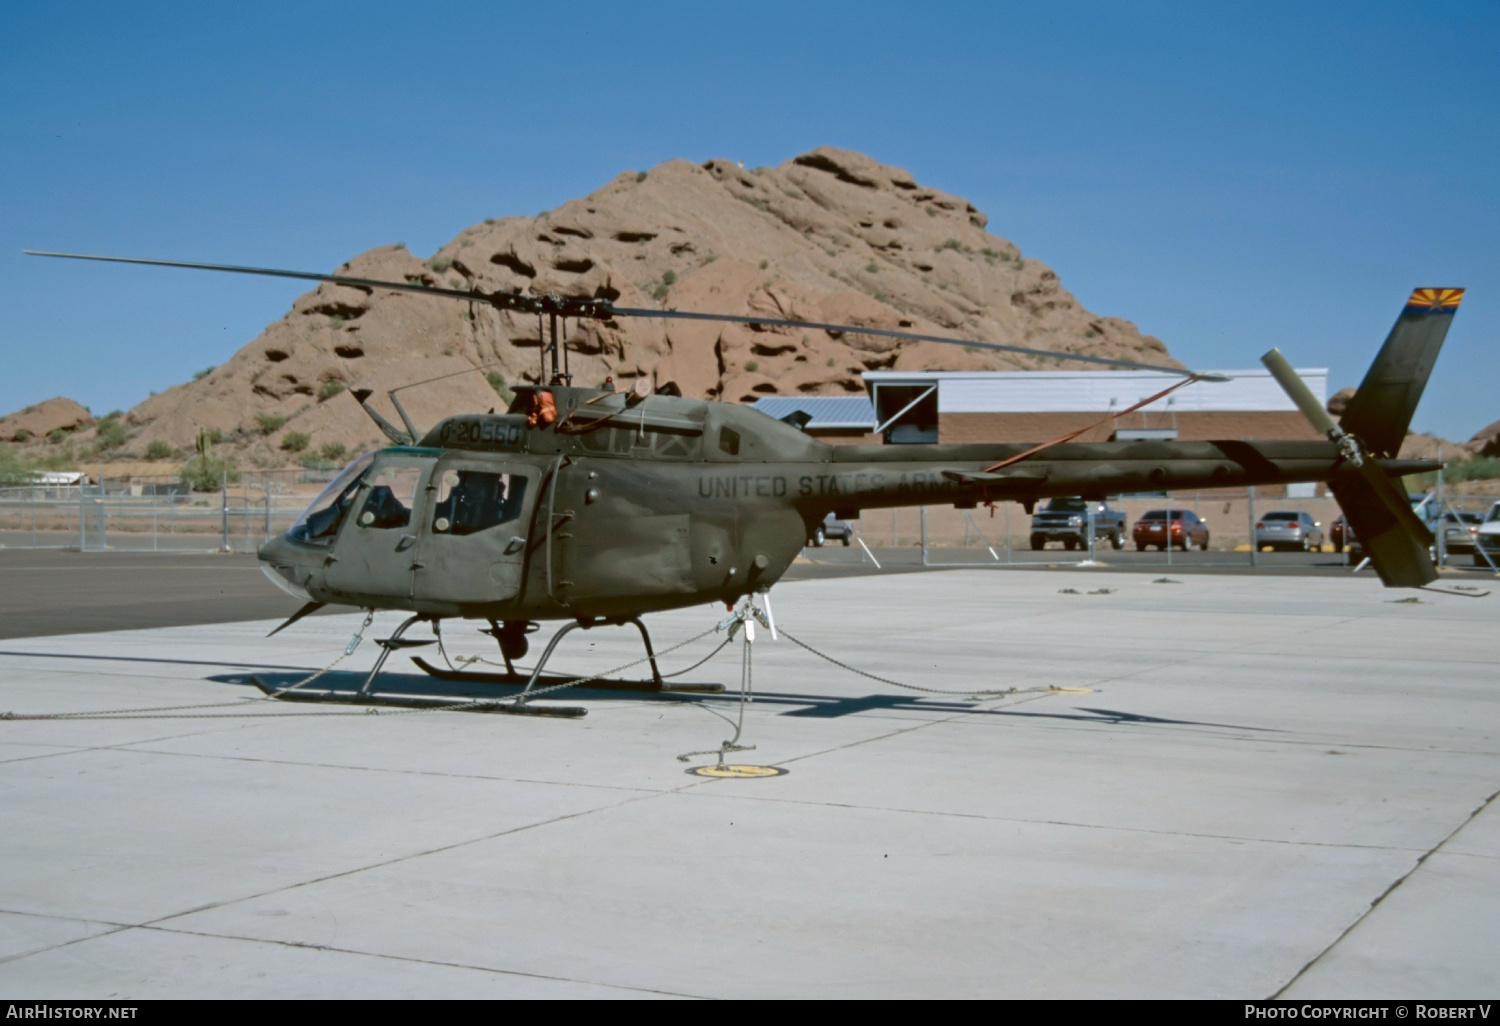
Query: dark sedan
(1180, 528)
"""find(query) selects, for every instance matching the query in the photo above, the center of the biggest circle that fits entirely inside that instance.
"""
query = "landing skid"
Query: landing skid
(398, 701)
(477, 677)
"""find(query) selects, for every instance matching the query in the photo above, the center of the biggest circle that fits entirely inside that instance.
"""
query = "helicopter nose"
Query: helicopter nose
(279, 563)
(275, 551)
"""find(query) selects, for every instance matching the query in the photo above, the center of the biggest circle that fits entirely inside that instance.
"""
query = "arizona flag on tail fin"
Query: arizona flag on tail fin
(1380, 412)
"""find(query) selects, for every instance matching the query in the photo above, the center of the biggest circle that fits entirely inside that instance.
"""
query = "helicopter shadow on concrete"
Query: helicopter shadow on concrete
(346, 684)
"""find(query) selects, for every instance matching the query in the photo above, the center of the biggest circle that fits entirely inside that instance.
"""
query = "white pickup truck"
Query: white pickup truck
(1487, 541)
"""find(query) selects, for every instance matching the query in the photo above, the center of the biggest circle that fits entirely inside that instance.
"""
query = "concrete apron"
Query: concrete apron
(1257, 761)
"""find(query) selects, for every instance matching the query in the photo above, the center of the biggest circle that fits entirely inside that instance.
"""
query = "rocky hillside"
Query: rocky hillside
(830, 235)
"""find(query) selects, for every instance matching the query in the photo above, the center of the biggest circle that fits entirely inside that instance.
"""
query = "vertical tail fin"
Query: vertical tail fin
(1380, 412)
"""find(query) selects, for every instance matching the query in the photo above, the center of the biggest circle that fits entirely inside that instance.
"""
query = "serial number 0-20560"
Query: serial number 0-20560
(497, 431)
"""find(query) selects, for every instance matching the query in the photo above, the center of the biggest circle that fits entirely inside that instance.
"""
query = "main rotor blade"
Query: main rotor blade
(684, 315)
(602, 309)
(337, 279)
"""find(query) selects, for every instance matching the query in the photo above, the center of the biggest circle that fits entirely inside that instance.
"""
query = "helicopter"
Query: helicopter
(598, 506)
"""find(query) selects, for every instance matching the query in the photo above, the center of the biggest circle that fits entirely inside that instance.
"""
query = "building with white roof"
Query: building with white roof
(1033, 406)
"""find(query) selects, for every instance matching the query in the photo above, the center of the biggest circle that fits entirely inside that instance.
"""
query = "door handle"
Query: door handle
(405, 542)
(516, 544)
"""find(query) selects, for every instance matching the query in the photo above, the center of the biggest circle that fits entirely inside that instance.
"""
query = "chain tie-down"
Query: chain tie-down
(746, 615)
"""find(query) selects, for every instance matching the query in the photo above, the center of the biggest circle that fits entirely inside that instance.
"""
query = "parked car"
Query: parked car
(832, 527)
(1289, 529)
(1181, 528)
(1459, 531)
(1487, 540)
(1066, 519)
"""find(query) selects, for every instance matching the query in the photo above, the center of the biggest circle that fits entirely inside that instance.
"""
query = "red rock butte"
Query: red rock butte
(828, 236)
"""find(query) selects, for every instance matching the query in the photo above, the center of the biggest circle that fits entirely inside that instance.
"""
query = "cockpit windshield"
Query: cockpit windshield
(320, 521)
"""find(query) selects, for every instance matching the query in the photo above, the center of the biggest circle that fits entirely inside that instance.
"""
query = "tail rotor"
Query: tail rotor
(1374, 425)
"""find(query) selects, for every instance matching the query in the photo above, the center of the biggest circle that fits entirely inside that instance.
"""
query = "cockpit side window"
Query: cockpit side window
(320, 521)
(393, 492)
(470, 501)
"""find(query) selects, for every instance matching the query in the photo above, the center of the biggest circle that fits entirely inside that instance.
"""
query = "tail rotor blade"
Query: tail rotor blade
(1379, 514)
(1292, 384)
(1381, 518)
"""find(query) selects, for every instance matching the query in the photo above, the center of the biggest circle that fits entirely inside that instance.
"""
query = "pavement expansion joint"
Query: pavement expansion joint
(522, 828)
(307, 946)
(1395, 884)
(134, 748)
(1071, 824)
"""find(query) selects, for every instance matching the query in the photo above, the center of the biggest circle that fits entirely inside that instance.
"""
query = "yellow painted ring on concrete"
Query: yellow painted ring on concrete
(737, 772)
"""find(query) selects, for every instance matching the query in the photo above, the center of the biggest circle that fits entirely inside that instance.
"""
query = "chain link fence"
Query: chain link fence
(159, 514)
(146, 514)
(1002, 533)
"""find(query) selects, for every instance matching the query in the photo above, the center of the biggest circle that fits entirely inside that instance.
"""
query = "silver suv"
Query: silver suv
(1289, 529)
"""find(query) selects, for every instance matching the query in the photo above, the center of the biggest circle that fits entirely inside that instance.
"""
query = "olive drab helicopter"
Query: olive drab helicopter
(596, 506)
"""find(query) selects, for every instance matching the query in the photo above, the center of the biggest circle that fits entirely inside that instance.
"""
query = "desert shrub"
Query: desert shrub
(440, 264)
(207, 473)
(752, 366)
(294, 441)
(329, 389)
(660, 292)
(764, 264)
(951, 244)
(23, 435)
(872, 267)
(640, 176)
(205, 372)
(269, 423)
(110, 434)
(497, 382)
(15, 468)
(158, 450)
(56, 435)
(212, 435)
(332, 451)
(1479, 468)
(668, 277)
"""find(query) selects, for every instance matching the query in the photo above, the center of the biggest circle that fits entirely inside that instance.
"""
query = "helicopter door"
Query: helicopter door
(473, 547)
(376, 547)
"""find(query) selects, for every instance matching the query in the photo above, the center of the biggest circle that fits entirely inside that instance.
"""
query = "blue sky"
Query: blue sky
(1229, 177)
